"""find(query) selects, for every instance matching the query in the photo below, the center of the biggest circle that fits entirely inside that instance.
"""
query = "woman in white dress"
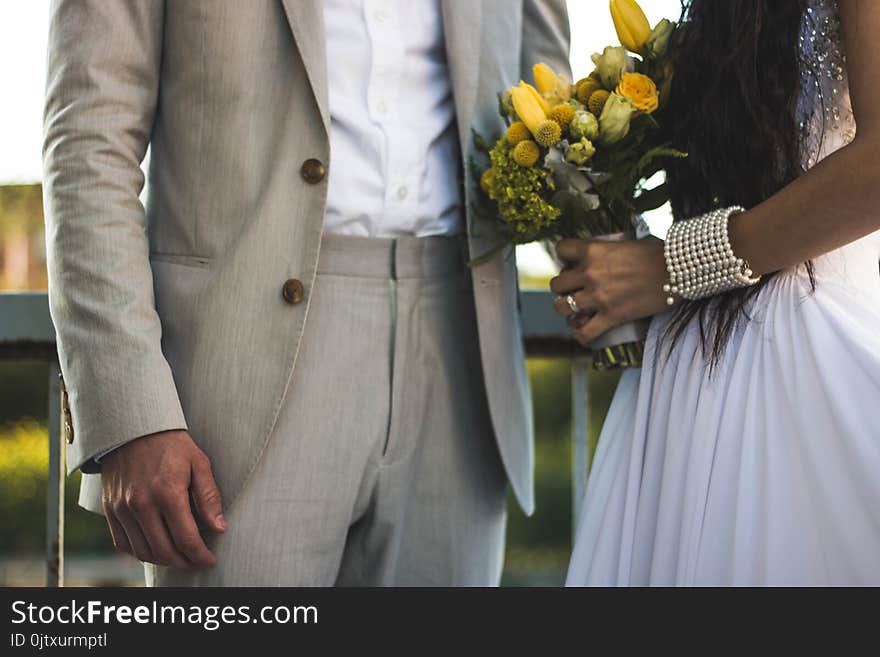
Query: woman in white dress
(746, 451)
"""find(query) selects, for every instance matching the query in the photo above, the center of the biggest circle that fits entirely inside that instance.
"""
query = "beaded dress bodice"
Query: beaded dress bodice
(826, 117)
(825, 112)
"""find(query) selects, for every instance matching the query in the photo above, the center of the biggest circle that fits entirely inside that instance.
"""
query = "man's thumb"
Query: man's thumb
(206, 495)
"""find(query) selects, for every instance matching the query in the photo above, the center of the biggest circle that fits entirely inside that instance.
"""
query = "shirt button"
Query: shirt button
(402, 191)
(293, 291)
(379, 15)
(313, 171)
(381, 107)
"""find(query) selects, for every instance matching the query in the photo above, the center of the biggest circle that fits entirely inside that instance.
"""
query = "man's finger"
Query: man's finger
(139, 545)
(117, 533)
(163, 548)
(206, 495)
(185, 533)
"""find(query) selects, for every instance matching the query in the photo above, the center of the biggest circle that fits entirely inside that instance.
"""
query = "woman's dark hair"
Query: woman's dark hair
(734, 109)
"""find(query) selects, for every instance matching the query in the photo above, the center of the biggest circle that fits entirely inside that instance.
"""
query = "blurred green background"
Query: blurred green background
(537, 547)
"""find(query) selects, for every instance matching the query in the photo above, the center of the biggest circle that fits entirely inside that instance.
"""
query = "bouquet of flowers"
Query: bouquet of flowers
(575, 159)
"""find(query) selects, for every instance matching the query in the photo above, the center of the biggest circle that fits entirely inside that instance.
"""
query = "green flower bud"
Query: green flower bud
(611, 64)
(584, 125)
(658, 42)
(615, 119)
(580, 152)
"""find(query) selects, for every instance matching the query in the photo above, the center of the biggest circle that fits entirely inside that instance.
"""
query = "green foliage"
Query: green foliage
(538, 547)
(24, 461)
(21, 209)
(520, 194)
(23, 391)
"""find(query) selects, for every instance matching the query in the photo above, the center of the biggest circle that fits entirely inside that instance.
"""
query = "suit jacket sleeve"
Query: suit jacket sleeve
(102, 85)
(546, 36)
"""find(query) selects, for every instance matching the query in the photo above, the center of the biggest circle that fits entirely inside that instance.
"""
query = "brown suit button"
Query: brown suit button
(293, 291)
(313, 171)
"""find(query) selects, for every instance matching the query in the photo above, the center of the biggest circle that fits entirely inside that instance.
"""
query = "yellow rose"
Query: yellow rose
(641, 91)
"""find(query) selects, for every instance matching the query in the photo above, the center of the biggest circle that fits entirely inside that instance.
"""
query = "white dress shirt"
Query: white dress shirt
(395, 158)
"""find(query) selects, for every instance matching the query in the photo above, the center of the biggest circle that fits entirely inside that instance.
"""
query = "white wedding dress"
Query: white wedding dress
(767, 471)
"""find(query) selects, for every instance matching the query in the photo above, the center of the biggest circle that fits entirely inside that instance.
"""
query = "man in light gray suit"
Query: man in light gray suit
(289, 320)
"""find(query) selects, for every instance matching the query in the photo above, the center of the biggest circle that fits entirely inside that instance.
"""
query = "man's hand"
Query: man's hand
(146, 496)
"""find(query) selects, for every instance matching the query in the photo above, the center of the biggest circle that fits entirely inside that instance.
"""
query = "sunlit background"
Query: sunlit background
(537, 547)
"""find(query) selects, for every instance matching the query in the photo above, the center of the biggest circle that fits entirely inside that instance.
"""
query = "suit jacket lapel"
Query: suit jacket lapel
(306, 18)
(462, 20)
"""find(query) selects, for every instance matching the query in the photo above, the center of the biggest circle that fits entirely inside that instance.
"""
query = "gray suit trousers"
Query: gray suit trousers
(382, 468)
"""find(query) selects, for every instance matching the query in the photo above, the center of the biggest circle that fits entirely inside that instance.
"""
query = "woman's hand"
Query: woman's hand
(611, 282)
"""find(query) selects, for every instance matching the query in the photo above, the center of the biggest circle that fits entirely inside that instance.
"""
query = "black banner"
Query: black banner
(278, 621)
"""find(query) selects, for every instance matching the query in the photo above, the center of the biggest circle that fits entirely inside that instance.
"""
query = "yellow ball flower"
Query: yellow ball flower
(562, 114)
(549, 132)
(597, 101)
(526, 153)
(517, 132)
(641, 91)
(586, 87)
(486, 179)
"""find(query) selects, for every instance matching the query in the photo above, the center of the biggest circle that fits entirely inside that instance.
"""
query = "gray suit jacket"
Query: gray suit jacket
(170, 315)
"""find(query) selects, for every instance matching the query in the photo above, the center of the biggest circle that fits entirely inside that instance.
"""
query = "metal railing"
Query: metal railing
(27, 334)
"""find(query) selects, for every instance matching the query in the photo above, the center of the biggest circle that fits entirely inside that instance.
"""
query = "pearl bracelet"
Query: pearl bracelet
(700, 260)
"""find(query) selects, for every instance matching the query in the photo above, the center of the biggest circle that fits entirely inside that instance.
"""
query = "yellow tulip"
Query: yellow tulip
(552, 87)
(545, 79)
(529, 106)
(631, 24)
(545, 107)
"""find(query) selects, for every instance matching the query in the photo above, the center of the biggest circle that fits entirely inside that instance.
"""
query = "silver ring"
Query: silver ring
(572, 305)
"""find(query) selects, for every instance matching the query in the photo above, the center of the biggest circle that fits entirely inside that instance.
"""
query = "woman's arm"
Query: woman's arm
(838, 200)
(834, 203)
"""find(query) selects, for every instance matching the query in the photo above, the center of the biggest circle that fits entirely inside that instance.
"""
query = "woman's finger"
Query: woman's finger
(585, 305)
(568, 281)
(571, 250)
(592, 329)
